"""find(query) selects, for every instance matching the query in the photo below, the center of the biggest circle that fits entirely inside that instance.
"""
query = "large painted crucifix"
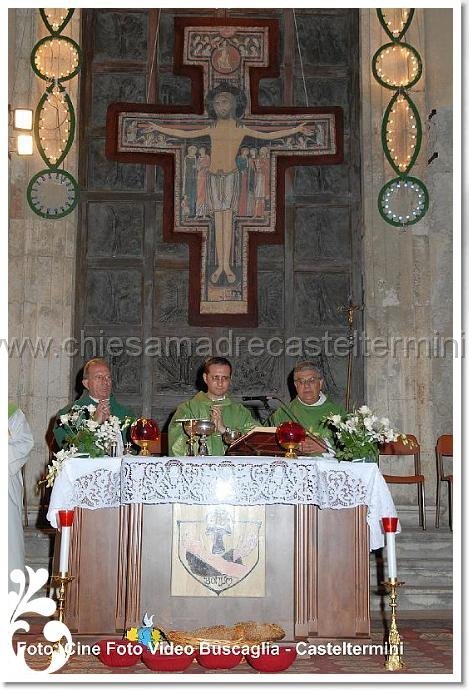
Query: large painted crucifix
(224, 158)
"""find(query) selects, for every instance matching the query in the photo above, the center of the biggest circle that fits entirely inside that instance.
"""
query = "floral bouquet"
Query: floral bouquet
(88, 436)
(85, 436)
(358, 434)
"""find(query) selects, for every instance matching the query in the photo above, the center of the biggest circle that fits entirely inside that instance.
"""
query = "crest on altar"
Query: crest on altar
(218, 550)
(225, 165)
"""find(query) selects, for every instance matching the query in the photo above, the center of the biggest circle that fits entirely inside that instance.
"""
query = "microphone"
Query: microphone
(262, 398)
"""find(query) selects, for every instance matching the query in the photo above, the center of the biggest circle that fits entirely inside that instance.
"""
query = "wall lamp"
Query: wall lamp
(21, 119)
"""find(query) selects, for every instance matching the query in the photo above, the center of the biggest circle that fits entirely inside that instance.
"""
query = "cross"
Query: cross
(224, 159)
(350, 310)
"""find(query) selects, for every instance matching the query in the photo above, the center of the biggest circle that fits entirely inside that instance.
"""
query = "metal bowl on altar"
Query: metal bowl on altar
(189, 426)
(230, 436)
(204, 427)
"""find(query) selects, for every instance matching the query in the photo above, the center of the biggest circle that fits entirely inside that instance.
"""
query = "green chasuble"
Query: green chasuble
(11, 408)
(117, 410)
(309, 416)
(235, 416)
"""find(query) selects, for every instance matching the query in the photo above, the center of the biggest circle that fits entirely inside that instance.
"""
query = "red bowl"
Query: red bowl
(213, 660)
(166, 662)
(119, 654)
(273, 663)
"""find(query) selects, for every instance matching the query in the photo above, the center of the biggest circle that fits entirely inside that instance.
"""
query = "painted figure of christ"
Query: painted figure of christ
(225, 106)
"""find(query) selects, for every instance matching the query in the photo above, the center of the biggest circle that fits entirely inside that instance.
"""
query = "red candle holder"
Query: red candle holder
(390, 524)
(290, 435)
(66, 517)
(142, 432)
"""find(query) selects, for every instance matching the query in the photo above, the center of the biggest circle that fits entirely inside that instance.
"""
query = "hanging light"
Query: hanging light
(24, 145)
(23, 119)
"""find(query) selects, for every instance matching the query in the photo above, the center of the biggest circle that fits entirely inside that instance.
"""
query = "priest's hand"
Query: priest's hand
(217, 419)
(103, 411)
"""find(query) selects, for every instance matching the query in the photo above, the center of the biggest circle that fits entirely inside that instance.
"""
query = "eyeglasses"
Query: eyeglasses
(219, 379)
(101, 377)
(305, 382)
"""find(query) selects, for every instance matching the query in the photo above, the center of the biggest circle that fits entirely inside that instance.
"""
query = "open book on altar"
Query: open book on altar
(262, 440)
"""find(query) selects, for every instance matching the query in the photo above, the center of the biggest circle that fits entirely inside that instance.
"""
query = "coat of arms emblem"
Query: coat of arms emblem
(220, 551)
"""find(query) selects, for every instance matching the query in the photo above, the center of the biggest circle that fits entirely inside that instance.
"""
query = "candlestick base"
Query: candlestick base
(61, 580)
(394, 660)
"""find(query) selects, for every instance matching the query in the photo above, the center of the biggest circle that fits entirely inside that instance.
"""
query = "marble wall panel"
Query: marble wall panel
(120, 35)
(322, 234)
(115, 229)
(114, 297)
(110, 88)
(104, 174)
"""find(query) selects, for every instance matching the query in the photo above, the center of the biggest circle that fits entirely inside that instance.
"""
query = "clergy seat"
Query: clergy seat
(444, 449)
(412, 448)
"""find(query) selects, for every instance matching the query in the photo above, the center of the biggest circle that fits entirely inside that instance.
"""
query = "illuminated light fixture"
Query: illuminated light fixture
(24, 145)
(23, 119)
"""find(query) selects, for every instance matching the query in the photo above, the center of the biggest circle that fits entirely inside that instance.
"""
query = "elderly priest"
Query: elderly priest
(310, 405)
(97, 382)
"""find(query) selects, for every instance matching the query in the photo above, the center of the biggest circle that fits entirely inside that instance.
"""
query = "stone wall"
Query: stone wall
(408, 273)
(41, 261)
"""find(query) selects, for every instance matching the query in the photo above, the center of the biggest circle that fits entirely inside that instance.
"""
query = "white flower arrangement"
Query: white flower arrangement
(85, 436)
(57, 464)
(358, 434)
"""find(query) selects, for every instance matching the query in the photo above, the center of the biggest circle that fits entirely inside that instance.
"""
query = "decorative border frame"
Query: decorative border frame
(67, 39)
(401, 90)
(62, 26)
(71, 134)
(418, 136)
(51, 171)
(401, 45)
(393, 38)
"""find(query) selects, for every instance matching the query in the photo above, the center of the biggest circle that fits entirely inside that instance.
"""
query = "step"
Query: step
(431, 543)
(36, 563)
(38, 543)
(411, 598)
(422, 573)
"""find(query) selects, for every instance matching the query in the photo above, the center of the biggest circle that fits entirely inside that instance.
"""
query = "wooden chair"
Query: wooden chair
(411, 449)
(444, 448)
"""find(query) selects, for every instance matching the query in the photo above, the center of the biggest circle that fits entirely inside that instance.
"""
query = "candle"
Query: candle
(390, 527)
(65, 521)
(64, 549)
(391, 555)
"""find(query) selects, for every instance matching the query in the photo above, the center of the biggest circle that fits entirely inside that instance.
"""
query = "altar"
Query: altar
(318, 520)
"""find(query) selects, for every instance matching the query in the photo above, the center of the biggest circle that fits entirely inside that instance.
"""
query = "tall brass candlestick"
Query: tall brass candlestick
(61, 580)
(394, 660)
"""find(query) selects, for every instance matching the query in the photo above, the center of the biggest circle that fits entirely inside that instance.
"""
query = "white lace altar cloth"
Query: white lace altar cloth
(110, 482)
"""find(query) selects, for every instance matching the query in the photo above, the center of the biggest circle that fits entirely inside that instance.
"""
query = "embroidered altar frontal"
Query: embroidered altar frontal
(243, 481)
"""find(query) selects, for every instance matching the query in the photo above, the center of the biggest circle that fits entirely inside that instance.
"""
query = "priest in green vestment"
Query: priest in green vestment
(310, 405)
(216, 405)
(97, 382)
